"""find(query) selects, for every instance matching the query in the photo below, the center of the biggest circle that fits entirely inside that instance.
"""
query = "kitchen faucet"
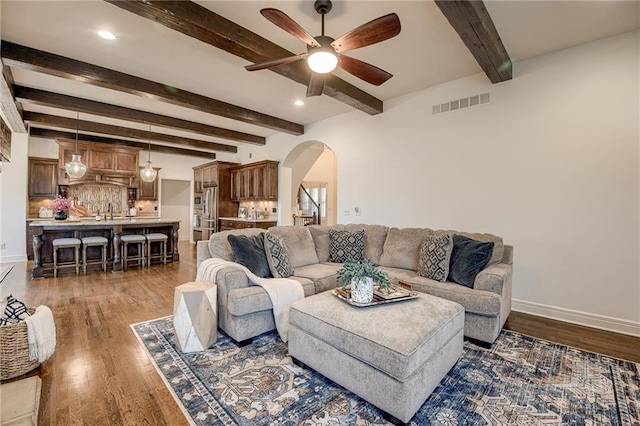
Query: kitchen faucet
(110, 210)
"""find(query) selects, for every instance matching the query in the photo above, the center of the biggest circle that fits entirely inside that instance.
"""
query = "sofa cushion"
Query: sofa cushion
(435, 255)
(402, 247)
(302, 250)
(219, 245)
(374, 238)
(474, 301)
(323, 275)
(320, 235)
(467, 259)
(249, 252)
(248, 300)
(345, 245)
(397, 274)
(277, 256)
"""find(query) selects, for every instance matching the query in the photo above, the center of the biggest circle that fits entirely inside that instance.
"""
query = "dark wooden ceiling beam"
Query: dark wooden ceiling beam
(199, 22)
(27, 58)
(58, 134)
(475, 27)
(126, 132)
(11, 109)
(72, 103)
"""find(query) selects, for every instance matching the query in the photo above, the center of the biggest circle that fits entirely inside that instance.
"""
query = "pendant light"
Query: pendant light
(75, 169)
(148, 174)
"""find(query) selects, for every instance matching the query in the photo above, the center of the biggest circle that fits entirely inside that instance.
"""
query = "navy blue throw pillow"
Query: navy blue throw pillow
(467, 259)
(249, 252)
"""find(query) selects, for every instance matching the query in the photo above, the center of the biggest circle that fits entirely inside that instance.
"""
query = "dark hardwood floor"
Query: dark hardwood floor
(100, 375)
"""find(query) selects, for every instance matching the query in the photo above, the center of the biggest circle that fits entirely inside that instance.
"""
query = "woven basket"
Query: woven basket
(14, 350)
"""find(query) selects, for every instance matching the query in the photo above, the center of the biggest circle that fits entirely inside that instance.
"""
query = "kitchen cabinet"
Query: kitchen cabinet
(255, 181)
(101, 159)
(148, 190)
(230, 224)
(43, 177)
(198, 176)
(210, 176)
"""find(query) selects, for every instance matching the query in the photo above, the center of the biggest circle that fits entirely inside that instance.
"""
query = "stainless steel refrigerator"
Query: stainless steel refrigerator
(209, 212)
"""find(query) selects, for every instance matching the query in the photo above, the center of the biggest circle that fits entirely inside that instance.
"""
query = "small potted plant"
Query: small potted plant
(361, 275)
(61, 205)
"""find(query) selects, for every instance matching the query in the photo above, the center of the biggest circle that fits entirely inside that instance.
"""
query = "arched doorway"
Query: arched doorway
(315, 163)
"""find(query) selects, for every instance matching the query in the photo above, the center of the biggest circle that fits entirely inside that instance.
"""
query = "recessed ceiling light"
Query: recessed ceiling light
(108, 35)
(298, 103)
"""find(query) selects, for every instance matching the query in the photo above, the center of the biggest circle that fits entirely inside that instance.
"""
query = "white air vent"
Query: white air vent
(462, 103)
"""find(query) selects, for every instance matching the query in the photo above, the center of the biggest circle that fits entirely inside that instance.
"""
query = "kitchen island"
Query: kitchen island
(44, 232)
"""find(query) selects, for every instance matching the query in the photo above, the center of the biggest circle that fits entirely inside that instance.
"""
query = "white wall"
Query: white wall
(551, 165)
(13, 201)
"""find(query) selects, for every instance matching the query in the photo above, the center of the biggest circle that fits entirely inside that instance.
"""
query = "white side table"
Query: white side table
(195, 316)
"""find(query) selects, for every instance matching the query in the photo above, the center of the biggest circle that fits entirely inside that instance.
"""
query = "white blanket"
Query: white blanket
(41, 334)
(282, 291)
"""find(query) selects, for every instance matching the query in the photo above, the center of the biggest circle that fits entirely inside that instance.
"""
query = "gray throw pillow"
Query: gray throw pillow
(345, 245)
(277, 256)
(435, 255)
(249, 252)
(467, 259)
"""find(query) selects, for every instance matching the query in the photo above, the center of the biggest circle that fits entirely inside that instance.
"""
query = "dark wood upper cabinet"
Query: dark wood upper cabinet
(43, 177)
(255, 181)
(101, 159)
(198, 180)
(148, 190)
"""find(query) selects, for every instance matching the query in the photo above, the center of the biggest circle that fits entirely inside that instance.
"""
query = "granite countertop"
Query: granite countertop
(239, 219)
(92, 222)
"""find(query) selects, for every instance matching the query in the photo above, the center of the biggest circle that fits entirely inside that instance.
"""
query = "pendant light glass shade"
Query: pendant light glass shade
(75, 169)
(148, 174)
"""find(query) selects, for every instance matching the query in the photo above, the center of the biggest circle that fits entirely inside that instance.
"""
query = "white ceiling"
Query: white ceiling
(426, 53)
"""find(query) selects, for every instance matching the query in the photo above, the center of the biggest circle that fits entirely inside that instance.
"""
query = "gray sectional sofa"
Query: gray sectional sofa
(245, 310)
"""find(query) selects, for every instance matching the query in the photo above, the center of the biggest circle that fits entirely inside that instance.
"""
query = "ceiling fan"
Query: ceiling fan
(324, 53)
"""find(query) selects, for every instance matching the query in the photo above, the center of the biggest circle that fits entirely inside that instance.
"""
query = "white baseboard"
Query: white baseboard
(577, 317)
(14, 258)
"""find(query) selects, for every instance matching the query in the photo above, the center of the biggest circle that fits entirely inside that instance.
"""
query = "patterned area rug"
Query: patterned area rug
(4, 271)
(520, 380)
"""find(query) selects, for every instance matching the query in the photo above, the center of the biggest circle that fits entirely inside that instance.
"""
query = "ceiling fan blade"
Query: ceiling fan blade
(316, 85)
(283, 21)
(275, 62)
(380, 29)
(367, 72)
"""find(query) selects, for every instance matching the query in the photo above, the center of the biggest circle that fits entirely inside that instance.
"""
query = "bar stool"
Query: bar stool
(157, 237)
(133, 239)
(62, 243)
(94, 242)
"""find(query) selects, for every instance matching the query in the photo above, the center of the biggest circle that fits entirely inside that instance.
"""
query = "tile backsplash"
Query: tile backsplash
(96, 197)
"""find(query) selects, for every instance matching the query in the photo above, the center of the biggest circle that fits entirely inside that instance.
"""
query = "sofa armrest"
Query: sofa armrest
(202, 252)
(494, 278)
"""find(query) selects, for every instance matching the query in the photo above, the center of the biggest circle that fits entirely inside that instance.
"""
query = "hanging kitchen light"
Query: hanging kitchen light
(75, 169)
(148, 174)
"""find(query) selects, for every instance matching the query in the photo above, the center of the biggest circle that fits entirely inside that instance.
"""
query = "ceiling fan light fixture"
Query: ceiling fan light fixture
(322, 61)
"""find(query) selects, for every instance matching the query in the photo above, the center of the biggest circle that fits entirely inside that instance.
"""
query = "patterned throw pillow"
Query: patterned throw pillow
(345, 245)
(435, 254)
(15, 309)
(277, 256)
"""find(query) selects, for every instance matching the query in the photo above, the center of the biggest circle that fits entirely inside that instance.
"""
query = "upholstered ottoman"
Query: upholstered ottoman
(392, 355)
